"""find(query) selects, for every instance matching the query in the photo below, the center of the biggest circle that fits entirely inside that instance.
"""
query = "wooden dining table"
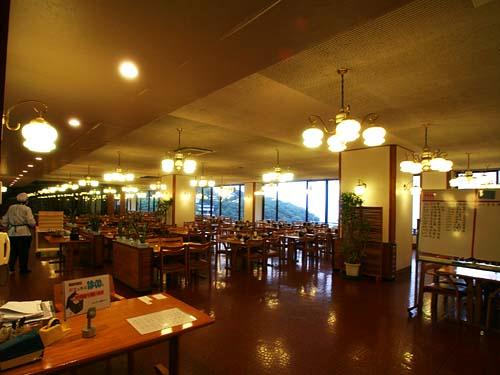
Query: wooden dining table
(115, 335)
(475, 280)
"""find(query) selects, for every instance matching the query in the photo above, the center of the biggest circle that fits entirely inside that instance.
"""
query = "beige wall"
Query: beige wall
(371, 165)
(248, 202)
(403, 213)
(434, 180)
(183, 200)
(249, 198)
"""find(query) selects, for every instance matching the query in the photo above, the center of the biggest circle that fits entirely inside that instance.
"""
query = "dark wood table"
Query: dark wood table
(114, 336)
(475, 278)
(66, 245)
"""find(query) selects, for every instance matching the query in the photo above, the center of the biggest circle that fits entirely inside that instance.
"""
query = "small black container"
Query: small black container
(74, 234)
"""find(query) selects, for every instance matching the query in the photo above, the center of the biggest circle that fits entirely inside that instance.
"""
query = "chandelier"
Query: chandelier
(347, 129)
(426, 161)
(130, 189)
(202, 181)
(468, 180)
(38, 134)
(88, 181)
(109, 190)
(118, 175)
(276, 175)
(157, 186)
(179, 162)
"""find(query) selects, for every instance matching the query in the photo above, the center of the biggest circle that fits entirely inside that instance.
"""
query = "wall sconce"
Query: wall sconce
(38, 134)
(414, 190)
(360, 188)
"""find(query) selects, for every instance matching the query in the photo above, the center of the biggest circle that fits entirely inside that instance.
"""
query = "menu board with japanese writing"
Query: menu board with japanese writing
(446, 222)
(487, 236)
(461, 224)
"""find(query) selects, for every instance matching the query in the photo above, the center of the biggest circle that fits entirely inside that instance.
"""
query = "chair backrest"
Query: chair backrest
(172, 249)
(199, 248)
(255, 244)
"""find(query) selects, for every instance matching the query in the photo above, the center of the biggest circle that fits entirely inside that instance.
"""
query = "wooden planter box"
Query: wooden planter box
(133, 266)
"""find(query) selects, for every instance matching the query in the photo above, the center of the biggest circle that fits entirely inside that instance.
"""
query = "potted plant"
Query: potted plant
(354, 232)
(95, 224)
(163, 208)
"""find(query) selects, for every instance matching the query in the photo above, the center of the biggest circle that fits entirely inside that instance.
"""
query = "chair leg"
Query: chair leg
(434, 298)
(458, 307)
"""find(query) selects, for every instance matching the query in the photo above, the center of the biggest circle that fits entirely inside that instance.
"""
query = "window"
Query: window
(333, 202)
(316, 201)
(198, 202)
(208, 202)
(292, 197)
(269, 202)
(230, 206)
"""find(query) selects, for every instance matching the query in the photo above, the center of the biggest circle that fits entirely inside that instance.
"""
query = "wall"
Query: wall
(404, 206)
(183, 200)
(371, 165)
(248, 201)
(434, 180)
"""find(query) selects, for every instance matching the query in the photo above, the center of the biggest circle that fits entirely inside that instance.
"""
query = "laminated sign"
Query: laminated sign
(81, 294)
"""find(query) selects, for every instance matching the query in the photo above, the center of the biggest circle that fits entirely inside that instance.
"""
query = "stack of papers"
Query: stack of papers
(15, 310)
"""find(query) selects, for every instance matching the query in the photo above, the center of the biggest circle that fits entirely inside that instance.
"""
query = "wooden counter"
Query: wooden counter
(133, 266)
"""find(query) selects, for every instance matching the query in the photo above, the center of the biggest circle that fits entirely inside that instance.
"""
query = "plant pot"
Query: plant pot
(352, 269)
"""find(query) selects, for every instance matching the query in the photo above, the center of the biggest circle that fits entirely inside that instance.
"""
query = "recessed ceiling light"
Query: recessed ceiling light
(38, 158)
(25, 171)
(74, 122)
(128, 70)
(30, 165)
(20, 175)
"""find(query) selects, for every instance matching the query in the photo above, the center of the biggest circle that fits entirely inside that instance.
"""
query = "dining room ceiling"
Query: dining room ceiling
(241, 78)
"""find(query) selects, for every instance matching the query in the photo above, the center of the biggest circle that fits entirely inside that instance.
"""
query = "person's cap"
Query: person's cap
(22, 197)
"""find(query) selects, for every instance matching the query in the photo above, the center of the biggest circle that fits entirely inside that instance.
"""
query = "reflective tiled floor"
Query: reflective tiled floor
(303, 321)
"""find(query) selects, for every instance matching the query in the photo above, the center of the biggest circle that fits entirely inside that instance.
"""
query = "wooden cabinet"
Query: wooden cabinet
(97, 244)
(133, 266)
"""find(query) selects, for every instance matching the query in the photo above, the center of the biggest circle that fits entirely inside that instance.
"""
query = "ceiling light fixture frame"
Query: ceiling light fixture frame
(39, 135)
(179, 162)
(346, 130)
(427, 160)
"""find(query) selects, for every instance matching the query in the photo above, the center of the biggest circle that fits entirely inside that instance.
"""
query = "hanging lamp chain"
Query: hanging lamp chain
(179, 130)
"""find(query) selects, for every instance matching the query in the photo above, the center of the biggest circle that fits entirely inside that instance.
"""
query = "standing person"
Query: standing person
(19, 219)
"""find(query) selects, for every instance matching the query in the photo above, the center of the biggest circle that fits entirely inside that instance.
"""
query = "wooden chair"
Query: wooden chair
(171, 260)
(274, 249)
(255, 252)
(223, 247)
(309, 248)
(59, 298)
(199, 258)
(322, 243)
(493, 306)
(445, 285)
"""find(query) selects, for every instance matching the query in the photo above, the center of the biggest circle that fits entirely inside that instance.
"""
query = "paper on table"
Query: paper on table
(14, 310)
(159, 296)
(160, 320)
(145, 299)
